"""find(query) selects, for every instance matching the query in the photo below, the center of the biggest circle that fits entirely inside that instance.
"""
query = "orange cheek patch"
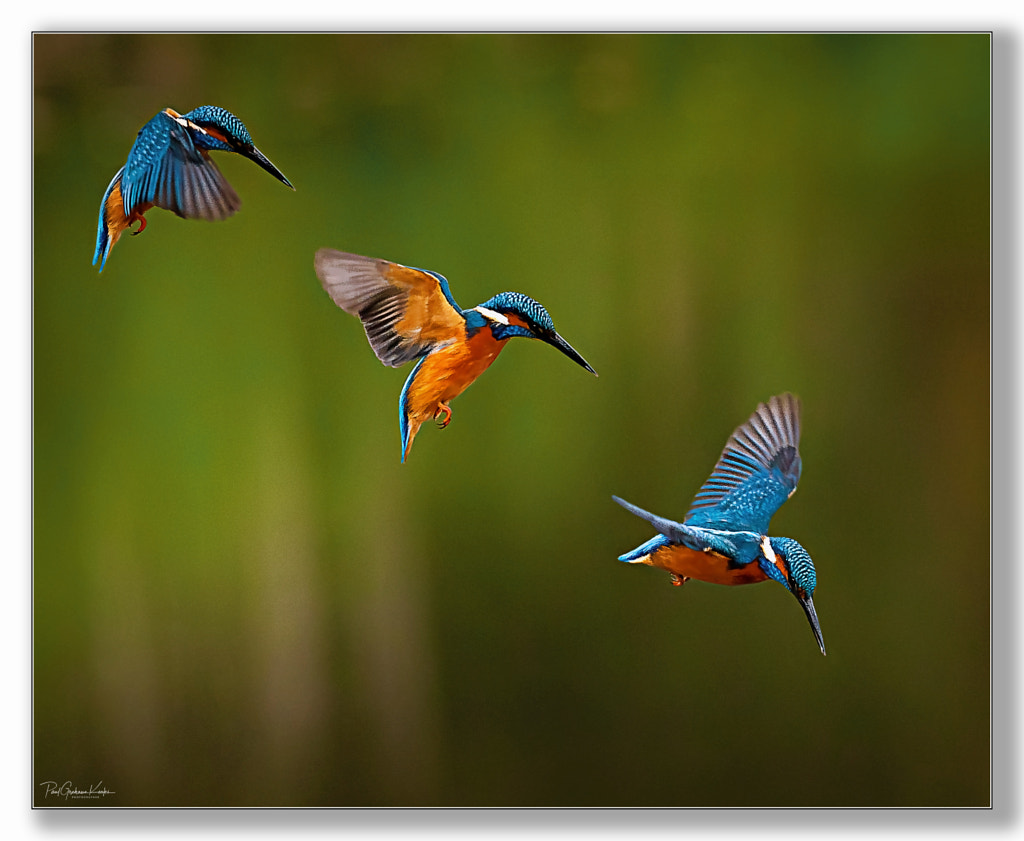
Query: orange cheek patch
(780, 566)
(217, 135)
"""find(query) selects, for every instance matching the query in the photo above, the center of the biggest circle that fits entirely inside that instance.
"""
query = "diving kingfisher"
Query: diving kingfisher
(410, 314)
(723, 539)
(169, 166)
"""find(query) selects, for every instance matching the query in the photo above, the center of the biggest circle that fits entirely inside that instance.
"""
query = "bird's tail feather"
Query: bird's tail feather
(107, 231)
(671, 529)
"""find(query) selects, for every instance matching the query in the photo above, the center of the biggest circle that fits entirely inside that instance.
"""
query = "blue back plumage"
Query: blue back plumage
(757, 472)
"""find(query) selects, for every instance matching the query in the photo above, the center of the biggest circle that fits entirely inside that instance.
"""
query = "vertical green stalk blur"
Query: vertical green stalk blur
(241, 597)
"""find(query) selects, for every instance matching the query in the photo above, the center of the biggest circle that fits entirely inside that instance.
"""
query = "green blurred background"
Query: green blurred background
(241, 597)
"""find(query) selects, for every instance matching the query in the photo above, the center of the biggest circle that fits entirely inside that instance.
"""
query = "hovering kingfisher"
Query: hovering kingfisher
(724, 539)
(410, 314)
(169, 166)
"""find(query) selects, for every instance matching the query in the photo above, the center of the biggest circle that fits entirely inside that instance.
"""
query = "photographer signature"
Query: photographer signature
(69, 789)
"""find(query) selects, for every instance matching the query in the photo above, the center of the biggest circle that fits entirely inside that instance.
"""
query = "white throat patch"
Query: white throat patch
(492, 315)
(181, 121)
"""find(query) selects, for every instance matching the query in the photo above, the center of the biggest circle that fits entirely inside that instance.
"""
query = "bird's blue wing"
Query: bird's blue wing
(757, 472)
(165, 169)
(406, 312)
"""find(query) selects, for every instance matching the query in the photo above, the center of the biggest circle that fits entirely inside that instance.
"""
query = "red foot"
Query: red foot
(442, 409)
(677, 581)
(142, 226)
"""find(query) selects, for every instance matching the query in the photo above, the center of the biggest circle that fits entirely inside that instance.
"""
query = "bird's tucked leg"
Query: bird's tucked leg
(442, 409)
(142, 226)
(677, 580)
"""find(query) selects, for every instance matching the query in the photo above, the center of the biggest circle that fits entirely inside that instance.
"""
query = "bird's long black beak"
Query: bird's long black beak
(557, 341)
(812, 617)
(257, 157)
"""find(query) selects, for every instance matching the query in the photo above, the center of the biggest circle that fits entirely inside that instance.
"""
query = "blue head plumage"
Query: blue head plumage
(222, 131)
(800, 578)
(795, 558)
(223, 122)
(538, 321)
(499, 311)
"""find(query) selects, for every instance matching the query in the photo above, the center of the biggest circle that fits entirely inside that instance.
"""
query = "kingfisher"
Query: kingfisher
(409, 314)
(169, 166)
(724, 536)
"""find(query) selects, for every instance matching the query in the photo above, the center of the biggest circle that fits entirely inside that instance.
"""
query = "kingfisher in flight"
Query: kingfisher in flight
(409, 314)
(724, 536)
(169, 166)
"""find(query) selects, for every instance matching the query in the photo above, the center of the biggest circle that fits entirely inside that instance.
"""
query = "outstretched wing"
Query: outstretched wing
(404, 311)
(165, 169)
(757, 472)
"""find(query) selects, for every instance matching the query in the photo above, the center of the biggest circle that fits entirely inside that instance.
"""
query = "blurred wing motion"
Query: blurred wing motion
(406, 312)
(757, 472)
(166, 169)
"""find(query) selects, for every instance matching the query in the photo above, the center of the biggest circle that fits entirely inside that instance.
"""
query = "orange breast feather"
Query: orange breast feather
(114, 217)
(448, 372)
(704, 566)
